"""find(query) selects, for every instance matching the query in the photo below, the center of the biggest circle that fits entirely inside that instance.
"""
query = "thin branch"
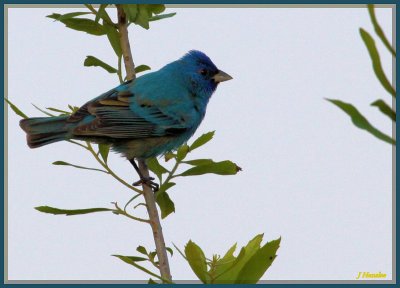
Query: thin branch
(125, 46)
(147, 191)
(90, 148)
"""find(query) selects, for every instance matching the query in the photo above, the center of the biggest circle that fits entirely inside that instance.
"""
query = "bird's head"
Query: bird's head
(201, 73)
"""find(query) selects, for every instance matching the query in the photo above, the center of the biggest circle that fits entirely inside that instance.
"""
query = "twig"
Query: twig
(147, 191)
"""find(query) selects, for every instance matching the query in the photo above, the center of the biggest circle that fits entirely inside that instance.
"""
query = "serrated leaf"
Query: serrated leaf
(141, 68)
(258, 264)
(379, 31)
(203, 139)
(360, 121)
(80, 24)
(385, 109)
(156, 167)
(199, 162)
(225, 262)
(76, 166)
(104, 149)
(376, 62)
(182, 152)
(113, 37)
(245, 254)
(197, 260)
(220, 168)
(56, 211)
(93, 61)
(142, 250)
(60, 17)
(165, 203)
(161, 16)
(16, 109)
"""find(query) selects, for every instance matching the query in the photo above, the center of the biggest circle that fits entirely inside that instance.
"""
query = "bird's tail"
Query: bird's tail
(45, 130)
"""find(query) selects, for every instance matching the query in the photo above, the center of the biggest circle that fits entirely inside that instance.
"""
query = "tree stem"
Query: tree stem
(147, 191)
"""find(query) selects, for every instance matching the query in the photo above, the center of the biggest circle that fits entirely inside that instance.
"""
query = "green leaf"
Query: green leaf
(93, 61)
(151, 281)
(156, 167)
(378, 30)
(197, 260)
(203, 139)
(142, 18)
(155, 8)
(59, 111)
(220, 168)
(73, 108)
(131, 11)
(136, 258)
(245, 254)
(152, 255)
(104, 149)
(56, 211)
(255, 268)
(142, 250)
(385, 109)
(168, 156)
(141, 68)
(360, 121)
(80, 24)
(129, 261)
(376, 62)
(43, 111)
(162, 16)
(113, 37)
(59, 17)
(182, 152)
(165, 203)
(170, 251)
(225, 262)
(76, 166)
(16, 109)
(199, 162)
(102, 10)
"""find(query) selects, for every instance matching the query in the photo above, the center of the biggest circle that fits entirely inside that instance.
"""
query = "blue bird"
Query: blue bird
(150, 116)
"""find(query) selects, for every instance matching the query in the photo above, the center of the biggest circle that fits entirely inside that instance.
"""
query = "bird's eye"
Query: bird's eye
(203, 72)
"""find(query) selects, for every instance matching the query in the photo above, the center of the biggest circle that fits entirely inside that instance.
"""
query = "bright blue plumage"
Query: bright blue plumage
(156, 113)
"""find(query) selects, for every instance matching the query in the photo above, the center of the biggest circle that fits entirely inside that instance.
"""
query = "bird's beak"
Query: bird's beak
(221, 76)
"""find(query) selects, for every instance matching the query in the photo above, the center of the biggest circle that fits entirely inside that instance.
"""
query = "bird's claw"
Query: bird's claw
(149, 182)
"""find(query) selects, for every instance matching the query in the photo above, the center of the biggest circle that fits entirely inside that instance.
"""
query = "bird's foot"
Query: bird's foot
(149, 182)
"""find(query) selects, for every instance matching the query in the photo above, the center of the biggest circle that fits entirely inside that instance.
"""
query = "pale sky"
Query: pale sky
(309, 175)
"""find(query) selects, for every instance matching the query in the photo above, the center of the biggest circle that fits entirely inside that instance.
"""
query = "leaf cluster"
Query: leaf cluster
(247, 267)
(356, 117)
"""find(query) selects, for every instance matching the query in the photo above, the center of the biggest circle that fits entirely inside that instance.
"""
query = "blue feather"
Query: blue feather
(147, 117)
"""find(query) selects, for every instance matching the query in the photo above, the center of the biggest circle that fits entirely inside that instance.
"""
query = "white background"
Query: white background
(308, 174)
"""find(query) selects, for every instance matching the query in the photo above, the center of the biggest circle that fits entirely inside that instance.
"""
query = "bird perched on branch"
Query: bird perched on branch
(144, 118)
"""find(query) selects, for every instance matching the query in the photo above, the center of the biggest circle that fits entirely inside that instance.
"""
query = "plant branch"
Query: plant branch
(125, 46)
(91, 150)
(147, 191)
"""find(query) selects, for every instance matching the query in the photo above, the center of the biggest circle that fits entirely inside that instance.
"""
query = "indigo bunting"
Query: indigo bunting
(156, 113)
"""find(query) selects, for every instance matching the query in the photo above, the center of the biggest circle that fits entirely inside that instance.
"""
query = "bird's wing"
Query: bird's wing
(115, 115)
